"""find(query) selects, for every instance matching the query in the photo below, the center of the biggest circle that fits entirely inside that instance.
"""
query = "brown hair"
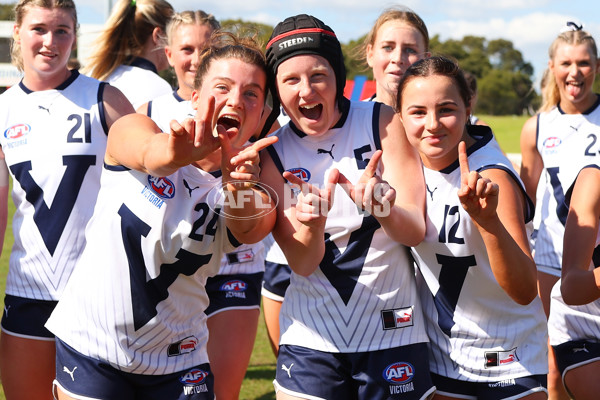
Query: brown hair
(21, 9)
(127, 30)
(431, 66)
(223, 45)
(400, 13)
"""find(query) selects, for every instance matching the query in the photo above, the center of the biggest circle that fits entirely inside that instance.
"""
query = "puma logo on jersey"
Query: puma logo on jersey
(431, 191)
(187, 186)
(65, 369)
(330, 152)
(44, 108)
(578, 349)
(575, 129)
(286, 369)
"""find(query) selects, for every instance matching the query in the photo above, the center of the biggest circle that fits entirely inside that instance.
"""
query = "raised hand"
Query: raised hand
(370, 193)
(241, 165)
(313, 204)
(478, 195)
(193, 139)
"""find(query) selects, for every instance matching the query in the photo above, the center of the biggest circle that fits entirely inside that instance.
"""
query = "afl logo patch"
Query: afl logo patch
(234, 286)
(194, 377)
(301, 173)
(552, 142)
(17, 131)
(163, 187)
(399, 373)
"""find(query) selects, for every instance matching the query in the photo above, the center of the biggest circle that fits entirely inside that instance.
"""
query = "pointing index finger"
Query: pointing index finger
(371, 167)
(294, 180)
(463, 161)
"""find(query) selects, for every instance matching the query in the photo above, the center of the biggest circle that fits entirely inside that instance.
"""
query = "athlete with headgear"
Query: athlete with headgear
(351, 323)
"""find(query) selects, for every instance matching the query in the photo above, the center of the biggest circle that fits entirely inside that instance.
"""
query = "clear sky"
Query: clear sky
(530, 24)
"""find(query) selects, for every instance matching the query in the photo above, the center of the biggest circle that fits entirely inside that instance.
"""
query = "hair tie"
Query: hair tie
(570, 27)
(133, 3)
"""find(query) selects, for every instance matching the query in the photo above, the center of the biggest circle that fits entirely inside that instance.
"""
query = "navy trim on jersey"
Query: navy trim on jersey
(149, 109)
(177, 96)
(475, 131)
(586, 112)
(570, 190)
(375, 122)
(276, 159)
(62, 86)
(116, 168)
(101, 110)
(530, 207)
(217, 174)
(232, 239)
(142, 63)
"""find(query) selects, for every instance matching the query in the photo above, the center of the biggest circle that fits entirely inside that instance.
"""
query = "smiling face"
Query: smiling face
(46, 37)
(574, 68)
(434, 116)
(307, 89)
(239, 91)
(183, 54)
(397, 46)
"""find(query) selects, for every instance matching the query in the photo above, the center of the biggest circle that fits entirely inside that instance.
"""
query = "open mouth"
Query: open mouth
(229, 122)
(312, 112)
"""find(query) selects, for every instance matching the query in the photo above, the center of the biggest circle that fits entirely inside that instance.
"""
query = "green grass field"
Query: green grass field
(261, 372)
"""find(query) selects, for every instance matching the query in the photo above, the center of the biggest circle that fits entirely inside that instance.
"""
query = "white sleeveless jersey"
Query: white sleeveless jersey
(139, 82)
(137, 296)
(363, 296)
(168, 107)
(566, 143)
(570, 323)
(247, 258)
(54, 142)
(477, 332)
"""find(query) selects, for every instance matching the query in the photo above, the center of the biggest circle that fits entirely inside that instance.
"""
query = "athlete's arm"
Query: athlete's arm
(143, 109)
(580, 284)
(4, 184)
(115, 104)
(300, 233)
(497, 207)
(531, 160)
(401, 167)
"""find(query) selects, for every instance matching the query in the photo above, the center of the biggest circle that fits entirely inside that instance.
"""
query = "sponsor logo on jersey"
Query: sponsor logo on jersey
(397, 318)
(194, 381)
(498, 358)
(552, 142)
(17, 131)
(184, 346)
(234, 288)
(239, 257)
(301, 173)
(504, 383)
(400, 375)
(163, 187)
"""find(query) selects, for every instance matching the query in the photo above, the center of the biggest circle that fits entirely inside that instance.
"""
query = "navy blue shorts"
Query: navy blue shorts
(496, 390)
(80, 376)
(397, 373)
(227, 292)
(26, 317)
(276, 279)
(574, 354)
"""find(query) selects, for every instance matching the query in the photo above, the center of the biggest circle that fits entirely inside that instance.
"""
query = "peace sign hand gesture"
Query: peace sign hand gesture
(478, 195)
